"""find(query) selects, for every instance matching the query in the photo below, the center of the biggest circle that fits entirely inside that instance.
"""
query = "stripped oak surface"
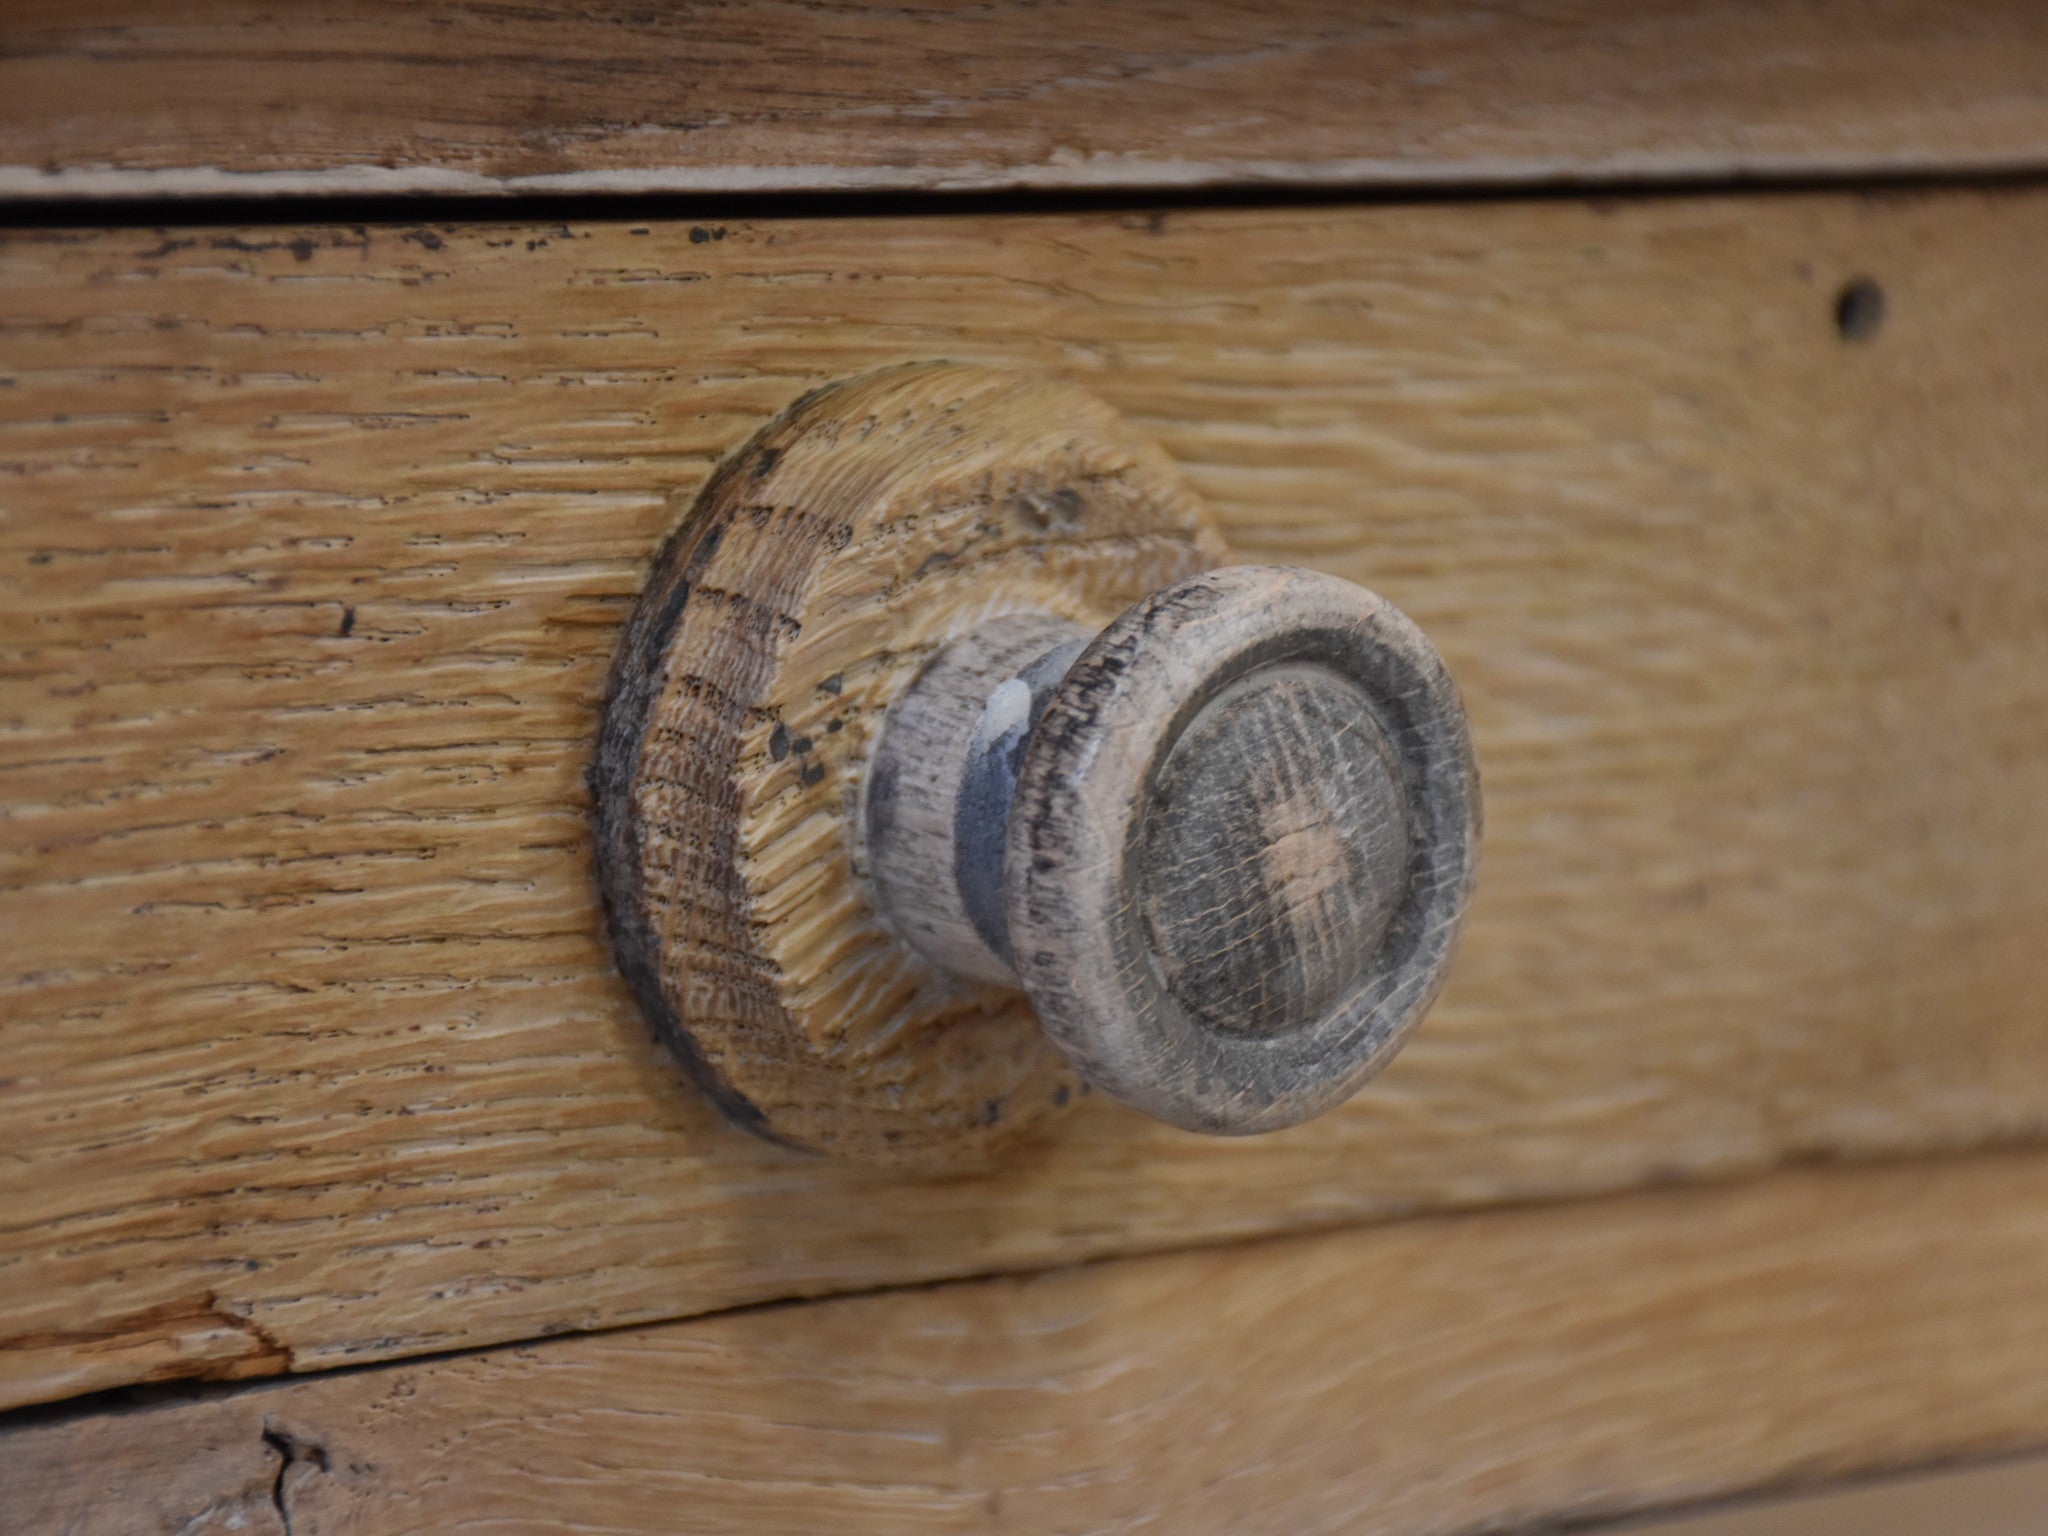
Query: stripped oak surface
(236, 97)
(845, 544)
(1454, 1374)
(315, 550)
(2002, 1498)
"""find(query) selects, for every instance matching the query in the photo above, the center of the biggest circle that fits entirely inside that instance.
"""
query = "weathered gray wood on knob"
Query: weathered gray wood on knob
(1243, 843)
(1237, 830)
(1275, 851)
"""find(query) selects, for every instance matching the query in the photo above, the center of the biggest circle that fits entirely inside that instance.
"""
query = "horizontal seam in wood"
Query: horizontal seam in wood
(701, 208)
(142, 1396)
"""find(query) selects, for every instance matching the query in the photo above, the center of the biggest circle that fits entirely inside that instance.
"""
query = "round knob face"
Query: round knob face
(1275, 851)
(1241, 846)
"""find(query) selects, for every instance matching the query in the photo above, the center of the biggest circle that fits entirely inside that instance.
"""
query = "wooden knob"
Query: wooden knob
(947, 772)
(1224, 846)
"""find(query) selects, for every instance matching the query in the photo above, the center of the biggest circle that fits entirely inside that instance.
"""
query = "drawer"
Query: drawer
(1509, 1371)
(1727, 514)
(460, 98)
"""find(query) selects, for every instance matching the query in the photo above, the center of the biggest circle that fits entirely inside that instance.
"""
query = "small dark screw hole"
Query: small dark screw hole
(1859, 310)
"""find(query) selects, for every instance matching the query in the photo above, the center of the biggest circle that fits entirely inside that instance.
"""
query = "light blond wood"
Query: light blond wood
(827, 562)
(2004, 1498)
(316, 544)
(231, 97)
(1493, 1372)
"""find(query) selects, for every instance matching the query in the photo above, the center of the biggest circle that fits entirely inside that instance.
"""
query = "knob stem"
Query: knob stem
(938, 792)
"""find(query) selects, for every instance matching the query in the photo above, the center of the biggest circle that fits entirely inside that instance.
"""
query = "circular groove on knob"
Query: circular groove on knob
(1274, 851)
(1222, 919)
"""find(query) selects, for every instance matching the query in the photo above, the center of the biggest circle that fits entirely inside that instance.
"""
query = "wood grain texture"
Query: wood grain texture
(845, 545)
(2003, 1498)
(315, 551)
(1504, 1371)
(233, 97)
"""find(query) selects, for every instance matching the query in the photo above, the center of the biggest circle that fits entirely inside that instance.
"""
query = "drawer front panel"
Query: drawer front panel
(234, 98)
(316, 543)
(1520, 1370)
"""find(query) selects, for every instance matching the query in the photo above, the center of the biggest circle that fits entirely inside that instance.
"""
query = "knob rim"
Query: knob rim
(1076, 845)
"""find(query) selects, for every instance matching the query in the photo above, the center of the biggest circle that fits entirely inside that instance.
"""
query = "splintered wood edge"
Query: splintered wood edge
(818, 571)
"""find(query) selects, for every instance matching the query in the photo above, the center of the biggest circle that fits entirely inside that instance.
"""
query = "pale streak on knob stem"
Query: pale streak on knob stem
(936, 807)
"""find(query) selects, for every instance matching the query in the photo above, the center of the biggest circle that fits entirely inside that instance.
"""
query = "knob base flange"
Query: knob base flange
(815, 575)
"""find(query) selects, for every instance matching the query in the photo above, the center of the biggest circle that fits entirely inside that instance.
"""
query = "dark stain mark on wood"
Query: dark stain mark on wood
(1860, 309)
(293, 1452)
(198, 1314)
